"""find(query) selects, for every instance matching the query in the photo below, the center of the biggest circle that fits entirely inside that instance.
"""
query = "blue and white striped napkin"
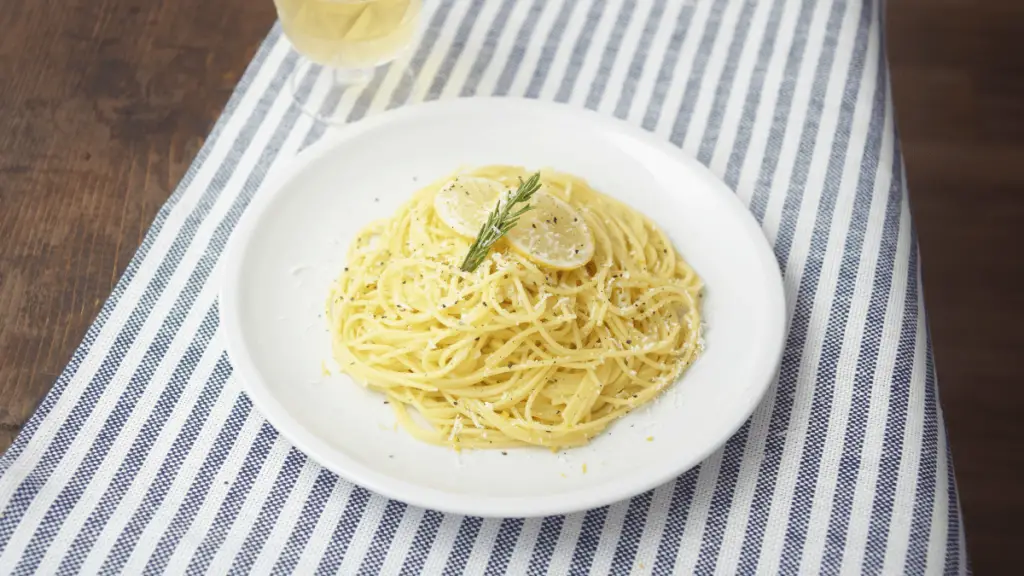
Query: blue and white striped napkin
(146, 457)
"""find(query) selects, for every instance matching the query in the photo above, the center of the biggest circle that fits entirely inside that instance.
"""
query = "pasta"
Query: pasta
(514, 353)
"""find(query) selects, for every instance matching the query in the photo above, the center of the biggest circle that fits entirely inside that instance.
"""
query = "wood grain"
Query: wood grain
(958, 83)
(104, 103)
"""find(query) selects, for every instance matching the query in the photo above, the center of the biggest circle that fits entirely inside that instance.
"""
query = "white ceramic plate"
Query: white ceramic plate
(292, 242)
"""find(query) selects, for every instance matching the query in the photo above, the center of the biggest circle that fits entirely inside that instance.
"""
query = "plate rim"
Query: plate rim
(254, 386)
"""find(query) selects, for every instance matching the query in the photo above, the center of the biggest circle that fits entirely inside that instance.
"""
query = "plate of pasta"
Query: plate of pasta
(501, 307)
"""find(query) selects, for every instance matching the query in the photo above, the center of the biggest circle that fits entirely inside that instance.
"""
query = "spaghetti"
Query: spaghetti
(513, 353)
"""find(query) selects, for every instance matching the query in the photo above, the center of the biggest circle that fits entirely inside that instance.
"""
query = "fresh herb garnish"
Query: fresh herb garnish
(500, 221)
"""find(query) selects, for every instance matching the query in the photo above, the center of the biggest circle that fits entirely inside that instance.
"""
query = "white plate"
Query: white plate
(292, 241)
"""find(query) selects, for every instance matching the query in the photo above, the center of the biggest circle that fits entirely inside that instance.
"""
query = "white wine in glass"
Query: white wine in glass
(349, 38)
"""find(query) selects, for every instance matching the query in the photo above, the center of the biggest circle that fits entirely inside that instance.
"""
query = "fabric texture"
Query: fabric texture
(147, 457)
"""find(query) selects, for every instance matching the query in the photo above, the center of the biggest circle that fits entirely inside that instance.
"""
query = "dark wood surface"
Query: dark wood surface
(958, 83)
(103, 104)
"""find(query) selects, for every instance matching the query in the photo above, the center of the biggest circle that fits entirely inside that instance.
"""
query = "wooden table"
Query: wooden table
(103, 104)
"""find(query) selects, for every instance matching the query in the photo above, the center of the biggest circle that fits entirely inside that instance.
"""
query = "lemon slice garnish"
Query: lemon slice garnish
(464, 203)
(553, 234)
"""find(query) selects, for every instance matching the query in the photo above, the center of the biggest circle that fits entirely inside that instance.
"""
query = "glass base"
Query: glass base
(319, 91)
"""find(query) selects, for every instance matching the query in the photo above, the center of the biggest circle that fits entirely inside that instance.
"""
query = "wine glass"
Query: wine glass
(348, 38)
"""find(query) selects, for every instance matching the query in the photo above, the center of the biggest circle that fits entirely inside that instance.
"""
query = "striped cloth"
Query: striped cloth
(146, 456)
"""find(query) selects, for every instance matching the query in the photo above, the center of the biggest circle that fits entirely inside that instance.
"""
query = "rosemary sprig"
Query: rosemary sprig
(500, 221)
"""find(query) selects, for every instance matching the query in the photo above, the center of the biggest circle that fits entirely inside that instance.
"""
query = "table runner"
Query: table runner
(147, 457)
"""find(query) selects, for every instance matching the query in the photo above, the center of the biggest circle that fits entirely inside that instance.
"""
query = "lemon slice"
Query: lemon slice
(553, 234)
(464, 203)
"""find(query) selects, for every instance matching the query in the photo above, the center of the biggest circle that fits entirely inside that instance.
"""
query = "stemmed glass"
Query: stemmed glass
(348, 38)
